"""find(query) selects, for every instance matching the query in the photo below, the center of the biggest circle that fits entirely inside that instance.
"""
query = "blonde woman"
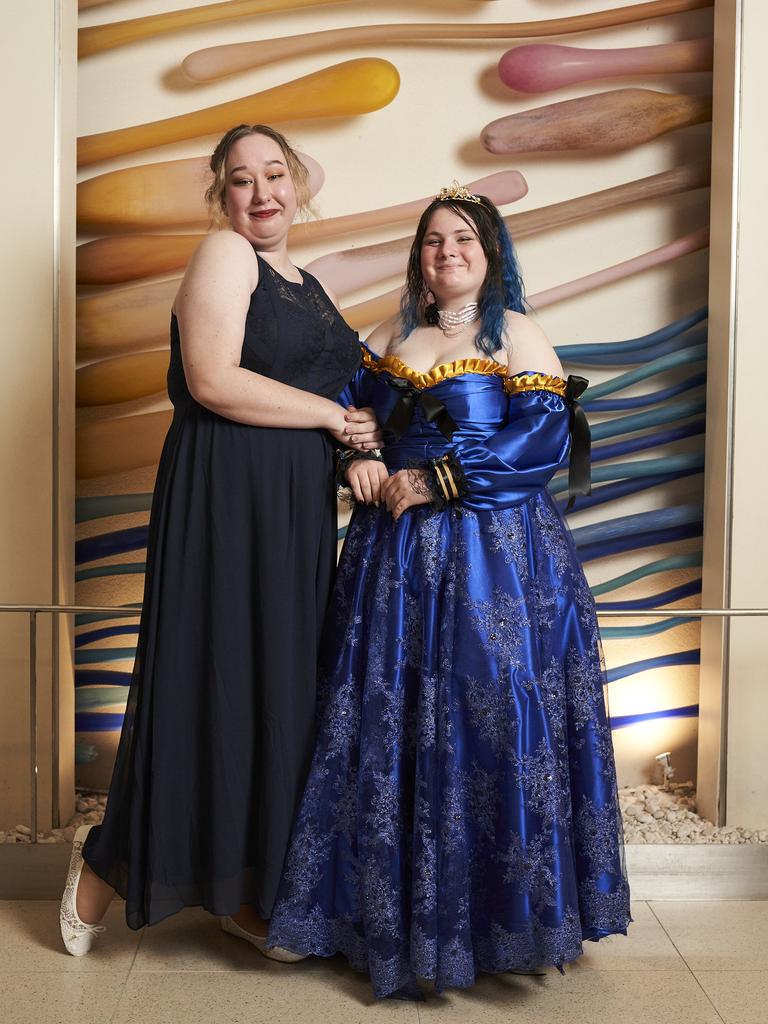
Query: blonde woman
(218, 729)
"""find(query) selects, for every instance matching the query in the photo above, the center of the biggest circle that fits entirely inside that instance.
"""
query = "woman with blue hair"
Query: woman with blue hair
(461, 813)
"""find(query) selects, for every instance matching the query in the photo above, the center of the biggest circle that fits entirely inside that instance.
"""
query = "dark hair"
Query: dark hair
(503, 285)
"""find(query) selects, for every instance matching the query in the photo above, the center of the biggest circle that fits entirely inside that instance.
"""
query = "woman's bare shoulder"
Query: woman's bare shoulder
(528, 347)
(222, 260)
(383, 337)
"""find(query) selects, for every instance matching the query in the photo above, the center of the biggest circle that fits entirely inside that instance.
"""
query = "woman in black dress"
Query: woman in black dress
(218, 729)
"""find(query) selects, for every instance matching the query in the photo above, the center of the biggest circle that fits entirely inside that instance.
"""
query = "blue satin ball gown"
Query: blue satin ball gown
(461, 812)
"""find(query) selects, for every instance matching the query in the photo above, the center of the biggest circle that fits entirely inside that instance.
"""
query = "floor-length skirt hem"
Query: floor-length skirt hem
(401, 972)
(137, 916)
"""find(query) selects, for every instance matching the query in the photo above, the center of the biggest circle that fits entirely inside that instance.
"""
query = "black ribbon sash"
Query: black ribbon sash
(401, 416)
(580, 465)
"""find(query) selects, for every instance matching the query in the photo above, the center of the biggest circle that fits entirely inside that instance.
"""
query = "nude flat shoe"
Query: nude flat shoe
(283, 956)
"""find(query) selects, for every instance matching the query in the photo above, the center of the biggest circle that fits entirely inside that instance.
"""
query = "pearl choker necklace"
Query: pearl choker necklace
(451, 322)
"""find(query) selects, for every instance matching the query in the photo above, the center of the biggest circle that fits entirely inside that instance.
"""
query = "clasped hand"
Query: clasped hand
(372, 484)
(360, 429)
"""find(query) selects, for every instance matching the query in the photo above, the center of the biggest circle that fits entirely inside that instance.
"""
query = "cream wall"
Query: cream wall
(427, 136)
(36, 400)
(747, 653)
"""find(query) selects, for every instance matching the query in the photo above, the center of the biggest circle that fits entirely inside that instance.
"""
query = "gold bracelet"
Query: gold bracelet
(443, 487)
(449, 475)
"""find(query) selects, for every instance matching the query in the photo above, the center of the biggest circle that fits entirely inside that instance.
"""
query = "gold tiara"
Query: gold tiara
(457, 191)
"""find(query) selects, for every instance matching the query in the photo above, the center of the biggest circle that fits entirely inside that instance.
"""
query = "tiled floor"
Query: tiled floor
(682, 963)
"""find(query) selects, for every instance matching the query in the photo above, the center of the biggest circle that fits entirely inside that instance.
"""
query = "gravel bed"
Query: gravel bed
(651, 814)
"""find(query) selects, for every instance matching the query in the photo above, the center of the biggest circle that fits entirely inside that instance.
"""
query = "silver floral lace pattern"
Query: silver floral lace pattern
(460, 813)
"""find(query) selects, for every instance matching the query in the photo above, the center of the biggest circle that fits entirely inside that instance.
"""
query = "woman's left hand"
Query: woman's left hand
(363, 430)
(404, 489)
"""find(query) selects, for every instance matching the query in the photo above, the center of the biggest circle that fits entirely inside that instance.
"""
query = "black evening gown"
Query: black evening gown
(218, 732)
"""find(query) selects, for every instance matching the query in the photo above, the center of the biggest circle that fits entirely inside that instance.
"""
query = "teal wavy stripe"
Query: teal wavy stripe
(692, 588)
(100, 654)
(123, 569)
(638, 468)
(687, 561)
(602, 405)
(94, 698)
(691, 657)
(684, 356)
(87, 617)
(103, 505)
(650, 418)
(635, 632)
(637, 522)
(685, 323)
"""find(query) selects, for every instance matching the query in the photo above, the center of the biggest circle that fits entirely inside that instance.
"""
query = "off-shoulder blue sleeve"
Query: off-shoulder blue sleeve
(520, 459)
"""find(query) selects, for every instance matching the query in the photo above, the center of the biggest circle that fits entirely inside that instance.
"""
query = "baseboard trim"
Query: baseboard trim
(656, 872)
(698, 872)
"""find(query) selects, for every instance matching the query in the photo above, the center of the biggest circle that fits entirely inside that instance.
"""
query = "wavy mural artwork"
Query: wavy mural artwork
(647, 405)
(344, 90)
(219, 61)
(543, 67)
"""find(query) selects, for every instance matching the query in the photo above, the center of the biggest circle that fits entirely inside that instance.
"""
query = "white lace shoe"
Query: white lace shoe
(283, 956)
(77, 935)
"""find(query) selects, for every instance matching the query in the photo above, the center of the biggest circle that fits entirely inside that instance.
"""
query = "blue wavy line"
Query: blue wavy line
(654, 600)
(639, 444)
(600, 358)
(692, 657)
(98, 721)
(677, 327)
(101, 677)
(621, 721)
(93, 635)
(622, 488)
(117, 542)
(121, 569)
(622, 526)
(683, 356)
(653, 398)
(651, 418)
(638, 468)
(652, 538)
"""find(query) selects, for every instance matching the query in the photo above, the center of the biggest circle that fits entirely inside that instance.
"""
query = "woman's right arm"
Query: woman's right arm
(211, 308)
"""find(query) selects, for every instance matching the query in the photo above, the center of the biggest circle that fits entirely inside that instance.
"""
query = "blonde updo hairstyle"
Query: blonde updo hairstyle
(214, 194)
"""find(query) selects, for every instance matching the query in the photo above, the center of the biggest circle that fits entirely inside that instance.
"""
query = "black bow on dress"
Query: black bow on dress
(401, 416)
(580, 465)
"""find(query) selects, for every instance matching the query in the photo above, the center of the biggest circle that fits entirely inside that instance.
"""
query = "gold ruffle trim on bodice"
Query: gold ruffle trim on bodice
(396, 366)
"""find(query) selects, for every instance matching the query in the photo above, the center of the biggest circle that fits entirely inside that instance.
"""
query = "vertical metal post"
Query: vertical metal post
(33, 722)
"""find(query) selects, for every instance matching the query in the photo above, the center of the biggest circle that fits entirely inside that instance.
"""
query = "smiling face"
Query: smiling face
(259, 193)
(453, 263)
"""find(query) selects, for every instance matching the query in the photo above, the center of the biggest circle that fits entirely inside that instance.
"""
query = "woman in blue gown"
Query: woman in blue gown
(461, 812)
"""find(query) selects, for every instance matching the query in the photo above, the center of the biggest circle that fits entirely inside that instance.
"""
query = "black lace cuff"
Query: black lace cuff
(345, 456)
(441, 480)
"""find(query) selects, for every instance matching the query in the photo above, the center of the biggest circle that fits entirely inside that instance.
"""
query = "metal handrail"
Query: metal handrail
(33, 610)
